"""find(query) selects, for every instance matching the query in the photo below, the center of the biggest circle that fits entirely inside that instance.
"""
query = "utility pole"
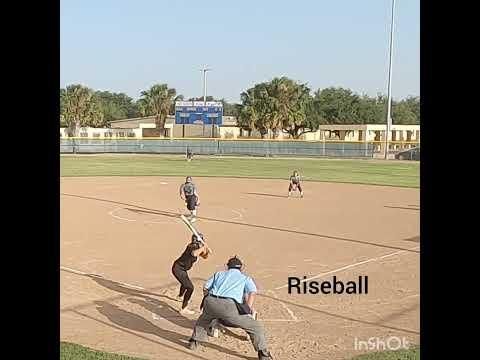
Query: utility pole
(204, 70)
(389, 100)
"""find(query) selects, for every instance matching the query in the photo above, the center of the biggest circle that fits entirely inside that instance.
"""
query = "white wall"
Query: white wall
(90, 132)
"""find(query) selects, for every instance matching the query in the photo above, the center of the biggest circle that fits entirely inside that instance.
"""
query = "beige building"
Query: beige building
(146, 126)
(400, 136)
(104, 133)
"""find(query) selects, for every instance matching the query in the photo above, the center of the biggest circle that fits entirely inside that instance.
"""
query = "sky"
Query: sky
(128, 46)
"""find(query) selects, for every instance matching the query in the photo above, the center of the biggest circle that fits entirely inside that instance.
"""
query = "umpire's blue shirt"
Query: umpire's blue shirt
(231, 284)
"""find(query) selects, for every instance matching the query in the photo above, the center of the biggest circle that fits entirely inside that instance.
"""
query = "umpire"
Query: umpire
(223, 302)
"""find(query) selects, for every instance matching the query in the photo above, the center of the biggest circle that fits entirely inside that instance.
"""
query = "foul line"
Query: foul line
(352, 266)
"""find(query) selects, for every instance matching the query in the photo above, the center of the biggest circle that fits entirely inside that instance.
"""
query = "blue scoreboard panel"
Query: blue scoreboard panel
(198, 112)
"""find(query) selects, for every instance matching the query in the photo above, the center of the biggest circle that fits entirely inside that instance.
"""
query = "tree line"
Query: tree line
(279, 105)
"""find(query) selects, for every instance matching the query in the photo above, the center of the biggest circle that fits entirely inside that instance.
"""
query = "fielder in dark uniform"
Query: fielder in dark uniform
(194, 249)
(189, 154)
(229, 297)
(295, 184)
(188, 193)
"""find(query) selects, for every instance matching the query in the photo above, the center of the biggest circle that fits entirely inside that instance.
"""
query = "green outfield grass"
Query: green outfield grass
(377, 172)
(69, 351)
(410, 354)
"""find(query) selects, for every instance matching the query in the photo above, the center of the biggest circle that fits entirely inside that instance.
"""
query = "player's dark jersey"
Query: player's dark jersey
(295, 179)
(188, 189)
(186, 260)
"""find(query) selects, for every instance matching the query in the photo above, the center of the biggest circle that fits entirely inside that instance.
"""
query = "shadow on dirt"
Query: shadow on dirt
(140, 209)
(379, 324)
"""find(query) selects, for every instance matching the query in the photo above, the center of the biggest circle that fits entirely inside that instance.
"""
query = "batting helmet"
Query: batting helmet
(188, 179)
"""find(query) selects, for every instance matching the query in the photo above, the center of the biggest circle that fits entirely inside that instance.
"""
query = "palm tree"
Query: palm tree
(79, 107)
(157, 101)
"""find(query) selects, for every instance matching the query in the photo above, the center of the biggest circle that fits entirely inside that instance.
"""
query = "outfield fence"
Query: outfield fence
(223, 147)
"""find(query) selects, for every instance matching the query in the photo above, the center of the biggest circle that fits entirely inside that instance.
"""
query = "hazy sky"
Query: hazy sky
(127, 46)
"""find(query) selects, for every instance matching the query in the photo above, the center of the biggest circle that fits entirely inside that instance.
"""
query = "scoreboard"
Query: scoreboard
(198, 112)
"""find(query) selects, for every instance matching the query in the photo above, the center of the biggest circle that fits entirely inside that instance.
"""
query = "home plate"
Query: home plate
(163, 183)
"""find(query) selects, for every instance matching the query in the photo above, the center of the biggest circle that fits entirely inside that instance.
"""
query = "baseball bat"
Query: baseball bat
(193, 230)
(190, 226)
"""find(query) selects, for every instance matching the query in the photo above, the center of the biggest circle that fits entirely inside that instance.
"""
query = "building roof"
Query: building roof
(231, 121)
(135, 122)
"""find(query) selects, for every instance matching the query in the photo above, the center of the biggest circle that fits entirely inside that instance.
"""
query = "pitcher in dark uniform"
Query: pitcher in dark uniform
(188, 193)
(295, 184)
(184, 263)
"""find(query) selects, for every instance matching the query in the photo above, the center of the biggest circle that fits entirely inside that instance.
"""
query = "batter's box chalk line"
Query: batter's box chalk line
(293, 318)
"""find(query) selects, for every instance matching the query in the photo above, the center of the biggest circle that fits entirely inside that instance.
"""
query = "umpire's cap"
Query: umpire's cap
(234, 263)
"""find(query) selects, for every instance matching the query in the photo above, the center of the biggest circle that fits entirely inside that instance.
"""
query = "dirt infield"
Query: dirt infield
(120, 235)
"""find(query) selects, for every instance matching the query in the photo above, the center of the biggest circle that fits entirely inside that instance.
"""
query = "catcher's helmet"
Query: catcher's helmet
(234, 263)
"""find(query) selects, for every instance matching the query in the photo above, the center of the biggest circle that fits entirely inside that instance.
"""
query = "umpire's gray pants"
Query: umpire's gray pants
(226, 312)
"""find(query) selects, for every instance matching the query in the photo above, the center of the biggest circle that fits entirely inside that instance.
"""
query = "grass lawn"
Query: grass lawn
(378, 172)
(69, 351)
(410, 354)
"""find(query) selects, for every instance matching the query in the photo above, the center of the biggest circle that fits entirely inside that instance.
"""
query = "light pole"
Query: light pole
(204, 70)
(389, 99)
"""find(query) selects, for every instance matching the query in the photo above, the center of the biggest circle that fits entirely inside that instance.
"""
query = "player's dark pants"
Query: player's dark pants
(226, 312)
(191, 201)
(299, 187)
(186, 285)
